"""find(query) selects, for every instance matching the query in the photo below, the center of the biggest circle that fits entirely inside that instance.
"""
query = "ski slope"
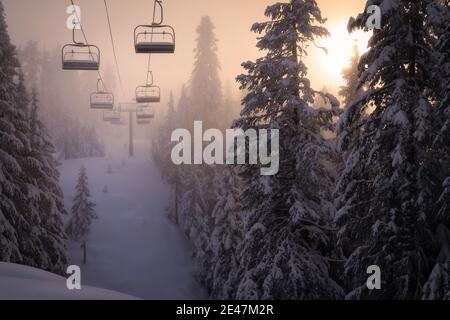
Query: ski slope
(133, 248)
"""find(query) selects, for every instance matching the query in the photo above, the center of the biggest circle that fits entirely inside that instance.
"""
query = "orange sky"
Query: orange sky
(44, 21)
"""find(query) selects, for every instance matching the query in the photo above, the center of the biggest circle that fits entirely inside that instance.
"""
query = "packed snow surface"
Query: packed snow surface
(21, 282)
(133, 247)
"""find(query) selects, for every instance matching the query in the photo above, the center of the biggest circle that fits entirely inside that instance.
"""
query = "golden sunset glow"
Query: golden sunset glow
(340, 47)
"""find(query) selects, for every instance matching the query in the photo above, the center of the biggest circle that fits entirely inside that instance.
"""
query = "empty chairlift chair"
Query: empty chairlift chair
(112, 116)
(80, 56)
(142, 122)
(148, 93)
(145, 114)
(118, 122)
(155, 38)
(102, 99)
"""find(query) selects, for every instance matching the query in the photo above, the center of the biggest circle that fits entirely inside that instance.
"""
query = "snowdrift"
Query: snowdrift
(25, 283)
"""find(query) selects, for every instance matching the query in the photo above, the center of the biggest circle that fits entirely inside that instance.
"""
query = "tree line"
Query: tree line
(375, 192)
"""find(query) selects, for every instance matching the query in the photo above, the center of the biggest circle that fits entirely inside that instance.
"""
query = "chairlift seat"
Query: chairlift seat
(155, 47)
(147, 99)
(154, 39)
(80, 65)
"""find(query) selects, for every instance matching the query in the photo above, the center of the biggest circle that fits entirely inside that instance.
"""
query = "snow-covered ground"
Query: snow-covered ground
(133, 248)
(20, 282)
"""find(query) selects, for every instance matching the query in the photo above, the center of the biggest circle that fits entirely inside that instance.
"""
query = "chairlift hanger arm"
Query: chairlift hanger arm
(98, 85)
(159, 3)
(147, 83)
(73, 37)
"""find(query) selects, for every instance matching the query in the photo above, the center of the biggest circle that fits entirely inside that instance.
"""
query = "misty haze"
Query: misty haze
(225, 150)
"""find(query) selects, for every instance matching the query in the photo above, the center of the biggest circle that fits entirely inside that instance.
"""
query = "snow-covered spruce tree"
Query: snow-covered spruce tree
(162, 148)
(30, 60)
(25, 236)
(226, 236)
(12, 144)
(46, 194)
(284, 250)
(83, 211)
(388, 188)
(232, 106)
(196, 184)
(182, 118)
(80, 141)
(438, 284)
(205, 86)
(351, 91)
(197, 198)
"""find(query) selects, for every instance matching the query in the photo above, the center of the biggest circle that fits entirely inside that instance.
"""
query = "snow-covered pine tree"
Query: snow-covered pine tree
(283, 254)
(83, 211)
(30, 60)
(438, 284)
(80, 141)
(387, 189)
(182, 119)
(47, 196)
(205, 86)
(70, 137)
(351, 91)
(14, 129)
(162, 148)
(25, 236)
(197, 198)
(196, 184)
(231, 105)
(226, 236)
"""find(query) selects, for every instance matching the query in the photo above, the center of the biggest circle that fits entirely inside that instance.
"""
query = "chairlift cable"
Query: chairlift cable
(151, 39)
(85, 39)
(113, 47)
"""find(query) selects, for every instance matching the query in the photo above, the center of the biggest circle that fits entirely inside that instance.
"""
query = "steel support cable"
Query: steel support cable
(114, 47)
(86, 41)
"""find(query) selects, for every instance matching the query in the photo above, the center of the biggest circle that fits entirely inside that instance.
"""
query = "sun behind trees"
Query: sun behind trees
(361, 190)
(388, 191)
(276, 237)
